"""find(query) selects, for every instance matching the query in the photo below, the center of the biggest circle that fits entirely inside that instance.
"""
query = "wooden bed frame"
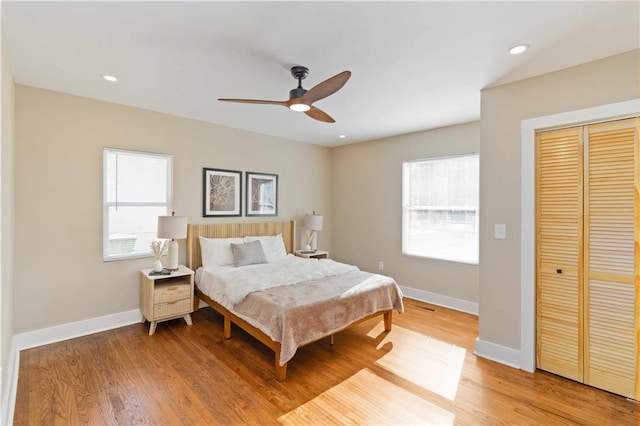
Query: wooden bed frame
(194, 261)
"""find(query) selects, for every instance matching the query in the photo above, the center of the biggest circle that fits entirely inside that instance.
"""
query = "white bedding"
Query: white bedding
(229, 286)
(329, 295)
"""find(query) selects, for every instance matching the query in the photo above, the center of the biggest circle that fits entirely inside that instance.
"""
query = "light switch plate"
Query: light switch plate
(500, 231)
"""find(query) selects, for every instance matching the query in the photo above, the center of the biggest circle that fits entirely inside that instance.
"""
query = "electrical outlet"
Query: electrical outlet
(381, 265)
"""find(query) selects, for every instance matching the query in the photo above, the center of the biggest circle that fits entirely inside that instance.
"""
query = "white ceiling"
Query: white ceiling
(415, 65)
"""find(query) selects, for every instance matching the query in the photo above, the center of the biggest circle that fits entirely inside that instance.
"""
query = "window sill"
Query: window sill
(444, 259)
(126, 257)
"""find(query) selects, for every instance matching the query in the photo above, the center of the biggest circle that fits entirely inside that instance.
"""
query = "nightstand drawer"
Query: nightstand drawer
(167, 292)
(172, 308)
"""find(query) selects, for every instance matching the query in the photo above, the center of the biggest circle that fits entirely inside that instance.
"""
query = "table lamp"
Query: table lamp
(312, 222)
(172, 228)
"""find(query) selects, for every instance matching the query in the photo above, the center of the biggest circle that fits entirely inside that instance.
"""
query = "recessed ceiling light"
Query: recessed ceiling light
(110, 78)
(342, 136)
(516, 50)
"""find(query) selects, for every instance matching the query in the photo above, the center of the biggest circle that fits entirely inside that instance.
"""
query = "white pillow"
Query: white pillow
(272, 245)
(217, 251)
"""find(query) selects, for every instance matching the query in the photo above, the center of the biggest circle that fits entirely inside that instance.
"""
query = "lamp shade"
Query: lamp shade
(172, 227)
(313, 222)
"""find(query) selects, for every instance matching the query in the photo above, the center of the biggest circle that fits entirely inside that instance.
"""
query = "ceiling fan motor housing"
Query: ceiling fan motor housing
(296, 93)
(299, 72)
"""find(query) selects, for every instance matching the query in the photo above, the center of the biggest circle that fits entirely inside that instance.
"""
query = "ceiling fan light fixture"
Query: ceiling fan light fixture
(300, 107)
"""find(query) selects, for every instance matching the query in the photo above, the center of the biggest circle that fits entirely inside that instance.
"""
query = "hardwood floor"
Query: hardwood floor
(423, 371)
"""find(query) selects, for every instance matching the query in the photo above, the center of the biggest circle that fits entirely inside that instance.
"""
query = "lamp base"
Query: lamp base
(172, 256)
(311, 241)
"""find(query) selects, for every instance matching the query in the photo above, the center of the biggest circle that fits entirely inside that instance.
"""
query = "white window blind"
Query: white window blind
(440, 199)
(137, 189)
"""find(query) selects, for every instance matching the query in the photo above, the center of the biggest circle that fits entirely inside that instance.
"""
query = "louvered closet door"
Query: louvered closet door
(611, 256)
(559, 252)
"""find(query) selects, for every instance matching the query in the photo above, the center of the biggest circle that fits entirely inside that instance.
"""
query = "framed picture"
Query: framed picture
(221, 192)
(262, 194)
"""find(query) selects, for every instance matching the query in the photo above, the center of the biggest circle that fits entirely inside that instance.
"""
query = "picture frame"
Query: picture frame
(221, 192)
(262, 194)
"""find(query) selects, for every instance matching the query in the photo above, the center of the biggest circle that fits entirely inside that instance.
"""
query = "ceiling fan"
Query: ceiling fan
(301, 99)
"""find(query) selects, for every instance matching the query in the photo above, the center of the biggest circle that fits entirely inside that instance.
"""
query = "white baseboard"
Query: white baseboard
(440, 300)
(58, 333)
(498, 353)
(11, 387)
(494, 352)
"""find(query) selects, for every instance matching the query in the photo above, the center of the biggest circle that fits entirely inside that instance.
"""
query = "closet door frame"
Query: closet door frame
(525, 358)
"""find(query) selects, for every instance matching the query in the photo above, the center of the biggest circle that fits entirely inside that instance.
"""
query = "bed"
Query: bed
(273, 301)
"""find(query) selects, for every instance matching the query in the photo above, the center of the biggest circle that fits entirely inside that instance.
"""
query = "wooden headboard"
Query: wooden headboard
(228, 230)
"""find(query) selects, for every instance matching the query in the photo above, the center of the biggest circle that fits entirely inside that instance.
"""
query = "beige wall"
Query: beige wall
(59, 273)
(367, 209)
(6, 214)
(503, 108)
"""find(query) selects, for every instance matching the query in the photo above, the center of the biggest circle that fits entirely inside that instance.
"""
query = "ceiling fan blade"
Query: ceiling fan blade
(319, 115)
(327, 87)
(255, 101)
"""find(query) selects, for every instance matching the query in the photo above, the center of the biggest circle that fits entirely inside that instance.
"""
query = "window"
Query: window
(137, 189)
(440, 208)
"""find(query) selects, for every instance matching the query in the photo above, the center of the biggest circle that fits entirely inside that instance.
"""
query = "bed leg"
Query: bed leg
(196, 303)
(281, 370)
(227, 328)
(332, 340)
(387, 320)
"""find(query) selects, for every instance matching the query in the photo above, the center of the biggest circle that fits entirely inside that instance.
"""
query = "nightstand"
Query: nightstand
(165, 297)
(318, 254)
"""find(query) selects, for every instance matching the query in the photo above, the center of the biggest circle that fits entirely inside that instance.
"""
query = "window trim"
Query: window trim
(105, 204)
(406, 209)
